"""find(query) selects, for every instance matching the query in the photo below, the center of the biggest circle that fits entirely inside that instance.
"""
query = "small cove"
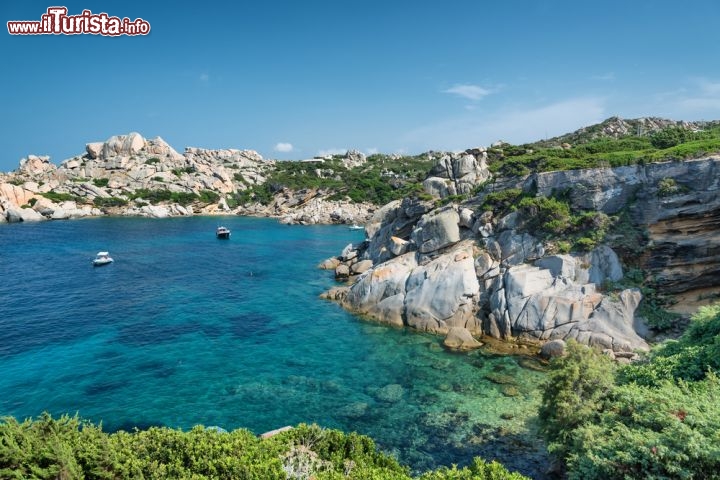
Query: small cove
(185, 329)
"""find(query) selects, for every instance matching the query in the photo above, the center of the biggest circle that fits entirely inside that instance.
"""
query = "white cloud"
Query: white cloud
(283, 147)
(332, 151)
(472, 92)
(700, 98)
(473, 129)
(204, 77)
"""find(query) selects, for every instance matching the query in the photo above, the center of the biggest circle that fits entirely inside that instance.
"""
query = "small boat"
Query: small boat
(355, 226)
(222, 232)
(102, 258)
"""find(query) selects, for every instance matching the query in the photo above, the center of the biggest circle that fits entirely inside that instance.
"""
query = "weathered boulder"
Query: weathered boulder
(122, 145)
(398, 246)
(512, 248)
(437, 229)
(439, 187)
(460, 338)
(34, 166)
(15, 195)
(553, 349)
(360, 267)
(93, 149)
(14, 215)
(329, 264)
(433, 297)
(395, 219)
(443, 293)
(546, 304)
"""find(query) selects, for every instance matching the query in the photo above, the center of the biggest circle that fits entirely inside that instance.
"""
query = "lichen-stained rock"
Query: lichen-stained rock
(443, 294)
(432, 297)
(395, 219)
(437, 229)
(382, 281)
(546, 302)
(439, 187)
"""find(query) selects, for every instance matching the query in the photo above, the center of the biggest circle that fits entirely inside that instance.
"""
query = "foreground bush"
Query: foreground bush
(71, 448)
(657, 419)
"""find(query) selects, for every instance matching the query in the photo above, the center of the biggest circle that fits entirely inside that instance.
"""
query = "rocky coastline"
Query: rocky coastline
(445, 259)
(118, 177)
(464, 272)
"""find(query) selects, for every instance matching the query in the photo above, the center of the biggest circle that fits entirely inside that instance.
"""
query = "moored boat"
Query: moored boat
(102, 258)
(222, 232)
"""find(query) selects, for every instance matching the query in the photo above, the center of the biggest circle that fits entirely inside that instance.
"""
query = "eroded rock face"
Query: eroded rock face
(456, 174)
(436, 230)
(548, 304)
(433, 297)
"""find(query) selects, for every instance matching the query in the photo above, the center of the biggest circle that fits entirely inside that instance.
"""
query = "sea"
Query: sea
(184, 329)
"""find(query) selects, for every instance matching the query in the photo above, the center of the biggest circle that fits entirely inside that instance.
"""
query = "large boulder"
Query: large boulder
(35, 165)
(14, 215)
(432, 297)
(443, 293)
(122, 145)
(460, 338)
(436, 230)
(549, 301)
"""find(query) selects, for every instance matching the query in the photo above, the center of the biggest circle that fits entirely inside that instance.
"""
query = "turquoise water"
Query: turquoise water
(185, 329)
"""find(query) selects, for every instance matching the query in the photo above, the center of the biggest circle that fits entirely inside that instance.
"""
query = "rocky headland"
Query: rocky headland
(644, 241)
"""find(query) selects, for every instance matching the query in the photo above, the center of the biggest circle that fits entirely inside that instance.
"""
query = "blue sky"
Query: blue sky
(293, 79)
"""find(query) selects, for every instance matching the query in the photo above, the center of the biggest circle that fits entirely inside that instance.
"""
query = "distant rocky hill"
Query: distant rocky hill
(131, 175)
(616, 127)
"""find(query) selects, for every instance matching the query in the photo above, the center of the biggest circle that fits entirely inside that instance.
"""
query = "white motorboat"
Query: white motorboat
(222, 232)
(102, 258)
(355, 226)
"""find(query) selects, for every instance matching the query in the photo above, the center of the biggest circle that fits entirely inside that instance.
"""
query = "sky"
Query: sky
(294, 79)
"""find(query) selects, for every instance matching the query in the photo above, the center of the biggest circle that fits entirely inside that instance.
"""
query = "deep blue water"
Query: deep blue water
(185, 329)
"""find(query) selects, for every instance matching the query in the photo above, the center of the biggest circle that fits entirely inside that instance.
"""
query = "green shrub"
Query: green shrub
(659, 418)
(61, 197)
(152, 161)
(209, 196)
(101, 202)
(549, 215)
(585, 244)
(101, 182)
(502, 201)
(69, 448)
(573, 394)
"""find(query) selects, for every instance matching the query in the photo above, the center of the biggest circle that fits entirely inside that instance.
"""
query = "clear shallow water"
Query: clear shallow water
(185, 329)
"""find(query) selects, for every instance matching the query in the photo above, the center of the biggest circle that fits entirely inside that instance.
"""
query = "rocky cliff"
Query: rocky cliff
(466, 267)
(123, 175)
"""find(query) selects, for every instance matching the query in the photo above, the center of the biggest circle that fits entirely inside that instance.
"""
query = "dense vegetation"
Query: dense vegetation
(381, 179)
(659, 418)
(70, 448)
(672, 143)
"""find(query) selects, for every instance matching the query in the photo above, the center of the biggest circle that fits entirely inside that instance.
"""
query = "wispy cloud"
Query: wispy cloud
(283, 147)
(699, 98)
(605, 77)
(471, 92)
(332, 151)
(516, 126)
(372, 151)
(204, 77)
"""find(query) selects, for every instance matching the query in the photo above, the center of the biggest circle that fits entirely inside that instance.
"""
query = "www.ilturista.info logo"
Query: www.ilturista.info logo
(57, 22)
